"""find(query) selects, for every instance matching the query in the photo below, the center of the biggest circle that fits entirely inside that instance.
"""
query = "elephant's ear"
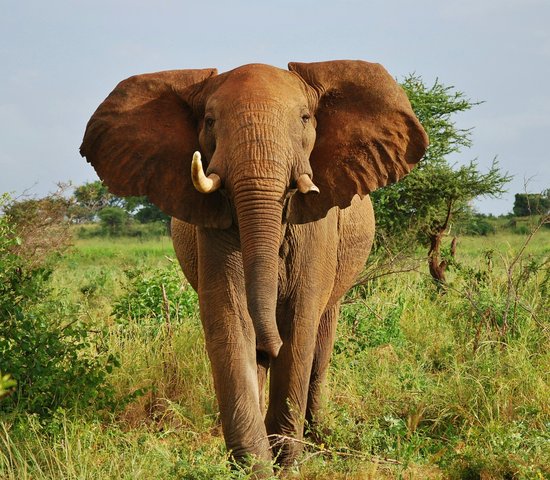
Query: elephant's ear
(367, 134)
(141, 141)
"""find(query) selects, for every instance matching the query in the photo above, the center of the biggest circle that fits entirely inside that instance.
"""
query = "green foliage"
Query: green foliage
(149, 213)
(6, 384)
(90, 198)
(93, 200)
(158, 296)
(45, 347)
(456, 381)
(93, 195)
(53, 361)
(113, 220)
(420, 386)
(435, 108)
(476, 224)
(526, 204)
(40, 225)
(370, 329)
(524, 225)
(32, 210)
(434, 190)
(200, 466)
(140, 231)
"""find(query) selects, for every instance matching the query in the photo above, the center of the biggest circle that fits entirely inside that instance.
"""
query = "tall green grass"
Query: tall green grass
(422, 385)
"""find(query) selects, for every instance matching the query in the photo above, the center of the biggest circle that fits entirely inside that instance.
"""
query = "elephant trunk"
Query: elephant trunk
(259, 213)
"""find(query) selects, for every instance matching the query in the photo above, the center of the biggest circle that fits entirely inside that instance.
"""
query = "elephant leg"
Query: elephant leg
(323, 349)
(230, 342)
(288, 388)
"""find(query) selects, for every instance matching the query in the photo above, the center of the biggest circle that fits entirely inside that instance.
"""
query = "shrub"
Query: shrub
(368, 329)
(40, 225)
(142, 231)
(158, 296)
(50, 353)
(476, 225)
(6, 384)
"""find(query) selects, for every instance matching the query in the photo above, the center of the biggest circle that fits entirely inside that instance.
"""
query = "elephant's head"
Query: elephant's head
(265, 135)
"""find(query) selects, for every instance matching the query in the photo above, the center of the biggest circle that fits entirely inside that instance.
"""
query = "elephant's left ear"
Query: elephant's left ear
(367, 134)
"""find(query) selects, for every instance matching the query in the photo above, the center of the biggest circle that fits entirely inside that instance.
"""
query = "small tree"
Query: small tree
(113, 219)
(96, 196)
(149, 212)
(423, 205)
(42, 225)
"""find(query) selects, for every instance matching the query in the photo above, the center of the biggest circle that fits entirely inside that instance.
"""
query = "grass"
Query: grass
(421, 385)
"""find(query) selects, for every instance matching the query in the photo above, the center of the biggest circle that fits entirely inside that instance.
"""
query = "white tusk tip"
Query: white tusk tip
(305, 184)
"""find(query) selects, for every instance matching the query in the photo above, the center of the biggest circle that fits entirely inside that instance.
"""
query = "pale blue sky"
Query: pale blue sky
(59, 59)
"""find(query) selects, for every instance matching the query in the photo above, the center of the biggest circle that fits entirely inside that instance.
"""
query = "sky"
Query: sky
(60, 59)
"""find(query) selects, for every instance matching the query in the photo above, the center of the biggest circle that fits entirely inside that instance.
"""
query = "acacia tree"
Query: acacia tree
(90, 198)
(423, 205)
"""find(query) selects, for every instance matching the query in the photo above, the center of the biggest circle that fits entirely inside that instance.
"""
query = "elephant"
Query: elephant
(267, 174)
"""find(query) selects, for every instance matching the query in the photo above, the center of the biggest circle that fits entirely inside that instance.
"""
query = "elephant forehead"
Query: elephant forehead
(259, 82)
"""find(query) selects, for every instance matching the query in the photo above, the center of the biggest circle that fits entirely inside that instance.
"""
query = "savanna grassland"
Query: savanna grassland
(423, 384)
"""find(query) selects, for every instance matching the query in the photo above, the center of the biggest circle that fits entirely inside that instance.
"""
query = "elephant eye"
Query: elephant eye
(209, 122)
(306, 117)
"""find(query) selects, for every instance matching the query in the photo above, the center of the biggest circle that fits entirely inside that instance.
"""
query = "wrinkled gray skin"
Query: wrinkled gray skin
(270, 290)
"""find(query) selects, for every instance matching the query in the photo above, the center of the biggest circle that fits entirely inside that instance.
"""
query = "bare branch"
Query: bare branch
(321, 449)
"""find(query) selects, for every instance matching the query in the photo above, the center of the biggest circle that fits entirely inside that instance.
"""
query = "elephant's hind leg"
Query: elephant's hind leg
(323, 349)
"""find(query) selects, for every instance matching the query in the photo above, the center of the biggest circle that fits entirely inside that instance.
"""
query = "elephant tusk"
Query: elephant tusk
(201, 182)
(305, 185)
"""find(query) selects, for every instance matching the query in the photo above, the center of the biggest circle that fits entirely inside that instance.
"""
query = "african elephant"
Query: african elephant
(279, 224)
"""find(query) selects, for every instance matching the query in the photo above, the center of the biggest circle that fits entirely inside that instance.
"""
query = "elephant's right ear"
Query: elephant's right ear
(141, 141)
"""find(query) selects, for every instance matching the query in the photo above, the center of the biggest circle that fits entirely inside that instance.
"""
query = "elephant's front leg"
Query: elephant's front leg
(289, 383)
(306, 284)
(323, 348)
(230, 342)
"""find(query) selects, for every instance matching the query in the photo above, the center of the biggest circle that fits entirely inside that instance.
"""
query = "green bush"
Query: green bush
(158, 296)
(476, 225)
(6, 384)
(113, 220)
(50, 353)
(368, 328)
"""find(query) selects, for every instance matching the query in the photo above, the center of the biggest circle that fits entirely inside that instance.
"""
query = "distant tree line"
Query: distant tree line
(527, 204)
(94, 203)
